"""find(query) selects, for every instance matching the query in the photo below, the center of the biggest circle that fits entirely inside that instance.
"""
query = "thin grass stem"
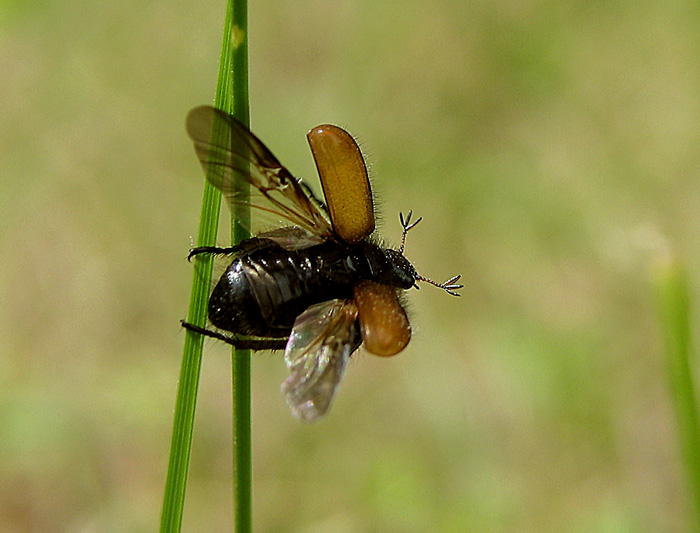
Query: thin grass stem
(674, 307)
(232, 96)
(240, 362)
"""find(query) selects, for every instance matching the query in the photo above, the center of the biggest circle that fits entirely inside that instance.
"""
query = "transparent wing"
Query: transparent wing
(292, 238)
(322, 339)
(226, 149)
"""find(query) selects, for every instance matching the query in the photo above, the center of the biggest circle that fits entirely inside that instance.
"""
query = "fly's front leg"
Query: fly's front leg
(214, 250)
(246, 246)
(239, 344)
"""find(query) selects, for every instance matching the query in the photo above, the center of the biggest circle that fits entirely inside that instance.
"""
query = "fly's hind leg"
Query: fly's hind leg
(239, 344)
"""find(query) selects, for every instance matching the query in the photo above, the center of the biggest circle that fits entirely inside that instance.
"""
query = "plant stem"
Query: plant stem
(674, 305)
(231, 95)
(240, 363)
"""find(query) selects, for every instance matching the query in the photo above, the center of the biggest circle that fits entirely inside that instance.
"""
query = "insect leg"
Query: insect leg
(239, 344)
(246, 246)
(210, 250)
(310, 192)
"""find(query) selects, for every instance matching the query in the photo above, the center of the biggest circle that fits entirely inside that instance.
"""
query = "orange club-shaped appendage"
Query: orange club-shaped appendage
(345, 182)
(343, 174)
(383, 321)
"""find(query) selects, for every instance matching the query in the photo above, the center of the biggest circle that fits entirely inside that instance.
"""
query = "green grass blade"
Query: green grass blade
(240, 362)
(176, 481)
(674, 306)
(231, 95)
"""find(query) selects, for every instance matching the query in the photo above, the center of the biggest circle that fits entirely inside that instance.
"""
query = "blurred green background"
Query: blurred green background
(553, 150)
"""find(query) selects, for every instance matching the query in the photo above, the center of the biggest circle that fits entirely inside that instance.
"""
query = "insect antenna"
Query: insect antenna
(406, 224)
(449, 286)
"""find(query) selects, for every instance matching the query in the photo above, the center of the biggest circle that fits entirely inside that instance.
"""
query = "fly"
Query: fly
(317, 288)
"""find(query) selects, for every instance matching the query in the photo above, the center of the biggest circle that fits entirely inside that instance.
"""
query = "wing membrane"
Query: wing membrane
(292, 238)
(322, 339)
(226, 149)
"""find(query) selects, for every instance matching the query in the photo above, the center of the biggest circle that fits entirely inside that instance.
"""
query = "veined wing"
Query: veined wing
(226, 149)
(322, 339)
(292, 237)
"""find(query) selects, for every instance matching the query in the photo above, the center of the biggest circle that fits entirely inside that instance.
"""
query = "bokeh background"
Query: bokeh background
(553, 150)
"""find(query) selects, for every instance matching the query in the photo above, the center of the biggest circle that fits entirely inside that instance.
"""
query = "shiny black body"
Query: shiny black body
(267, 287)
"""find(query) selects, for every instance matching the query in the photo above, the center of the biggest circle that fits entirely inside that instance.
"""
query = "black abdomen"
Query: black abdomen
(263, 292)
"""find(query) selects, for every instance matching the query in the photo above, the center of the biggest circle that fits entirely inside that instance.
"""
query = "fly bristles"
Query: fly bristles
(449, 286)
(406, 224)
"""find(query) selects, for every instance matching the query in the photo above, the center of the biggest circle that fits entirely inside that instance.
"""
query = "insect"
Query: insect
(317, 288)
